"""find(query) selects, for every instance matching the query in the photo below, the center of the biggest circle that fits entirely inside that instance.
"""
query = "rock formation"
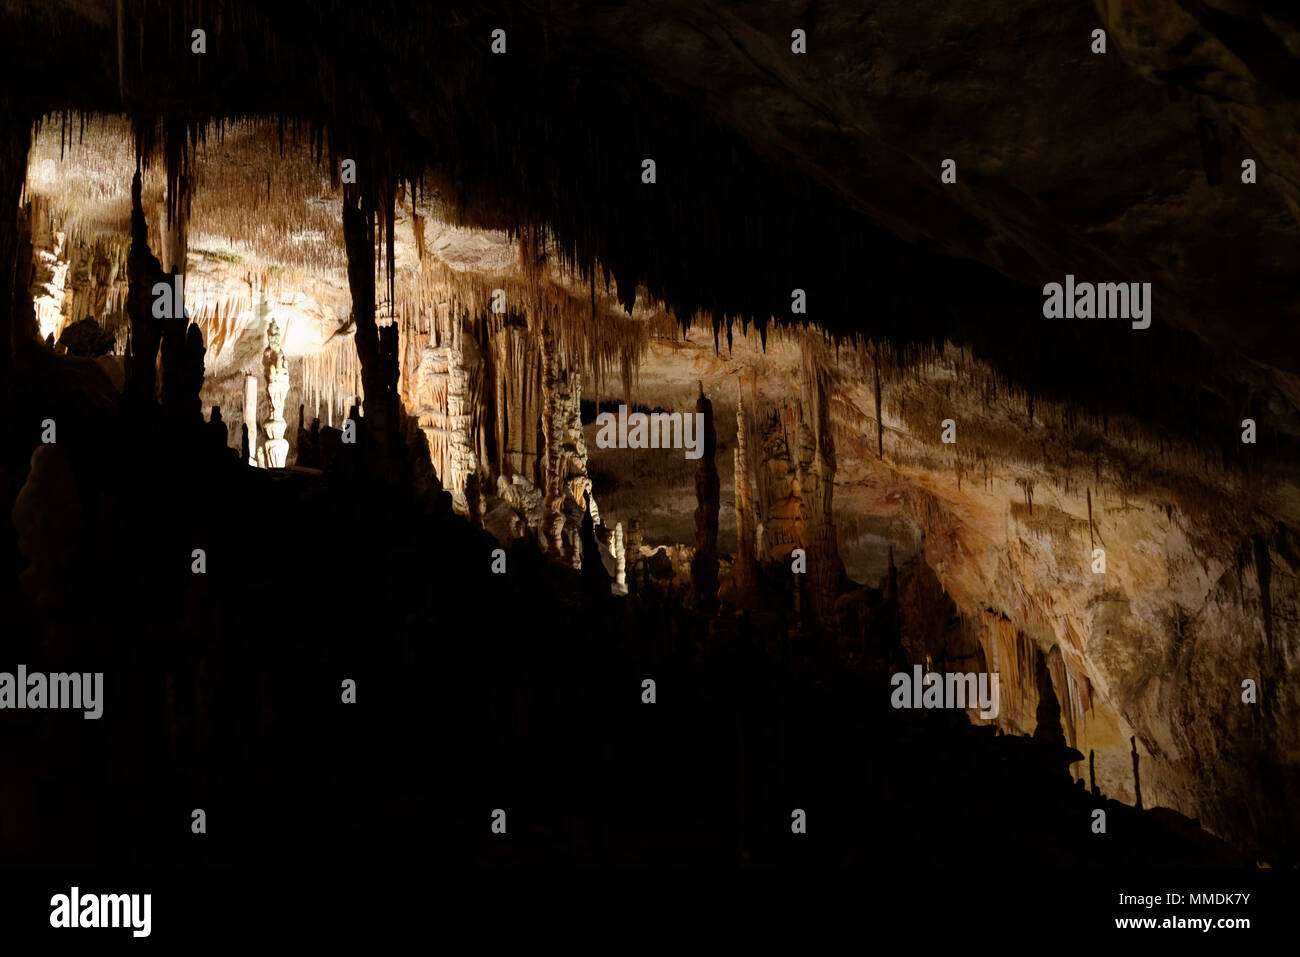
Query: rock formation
(1073, 506)
(277, 387)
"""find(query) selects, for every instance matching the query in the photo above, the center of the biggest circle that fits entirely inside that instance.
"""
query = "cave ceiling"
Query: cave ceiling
(533, 139)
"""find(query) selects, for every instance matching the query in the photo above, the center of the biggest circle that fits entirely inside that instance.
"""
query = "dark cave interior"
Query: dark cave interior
(374, 555)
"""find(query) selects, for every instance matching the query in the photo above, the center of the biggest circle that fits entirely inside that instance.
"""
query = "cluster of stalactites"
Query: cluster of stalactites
(85, 188)
(75, 276)
(785, 471)
(331, 381)
(602, 343)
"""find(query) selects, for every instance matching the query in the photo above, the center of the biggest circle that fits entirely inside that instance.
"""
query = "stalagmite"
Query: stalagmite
(182, 355)
(567, 485)
(277, 387)
(620, 562)
(182, 352)
(576, 478)
(146, 331)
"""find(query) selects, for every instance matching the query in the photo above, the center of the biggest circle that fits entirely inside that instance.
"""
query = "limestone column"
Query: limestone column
(620, 562)
(276, 365)
(552, 432)
(573, 456)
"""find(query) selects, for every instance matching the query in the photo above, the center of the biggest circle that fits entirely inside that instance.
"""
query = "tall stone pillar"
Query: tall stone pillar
(620, 562)
(553, 422)
(144, 271)
(276, 365)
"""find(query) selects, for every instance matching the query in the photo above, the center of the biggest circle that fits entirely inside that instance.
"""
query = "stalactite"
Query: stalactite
(330, 378)
(1092, 541)
(880, 421)
(445, 393)
(146, 331)
(1027, 486)
(376, 349)
(516, 372)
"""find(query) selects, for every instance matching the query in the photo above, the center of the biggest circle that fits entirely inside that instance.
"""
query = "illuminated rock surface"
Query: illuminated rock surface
(526, 279)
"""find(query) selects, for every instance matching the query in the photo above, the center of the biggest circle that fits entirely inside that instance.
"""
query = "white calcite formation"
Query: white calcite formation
(277, 387)
(49, 272)
(620, 562)
(567, 483)
(444, 408)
